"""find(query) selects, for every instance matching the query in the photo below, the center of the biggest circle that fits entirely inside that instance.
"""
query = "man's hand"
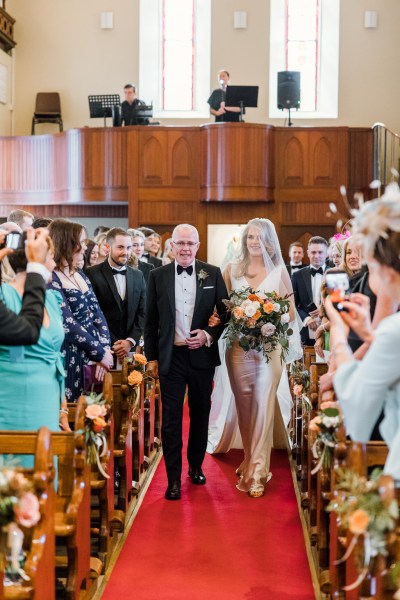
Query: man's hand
(312, 324)
(36, 247)
(122, 348)
(152, 368)
(197, 340)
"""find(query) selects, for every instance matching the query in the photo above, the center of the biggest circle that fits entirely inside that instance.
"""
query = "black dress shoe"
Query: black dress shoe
(197, 476)
(173, 491)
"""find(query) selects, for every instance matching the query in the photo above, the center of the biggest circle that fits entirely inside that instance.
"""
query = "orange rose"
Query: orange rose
(251, 322)
(253, 298)
(98, 424)
(135, 378)
(140, 358)
(268, 307)
(256, 315)
(238, 312)
(358, 522)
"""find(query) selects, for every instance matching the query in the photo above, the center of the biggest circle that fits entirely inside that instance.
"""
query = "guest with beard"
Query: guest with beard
(121, 292)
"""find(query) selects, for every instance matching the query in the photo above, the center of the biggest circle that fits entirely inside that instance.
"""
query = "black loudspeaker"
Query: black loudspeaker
(288, 89)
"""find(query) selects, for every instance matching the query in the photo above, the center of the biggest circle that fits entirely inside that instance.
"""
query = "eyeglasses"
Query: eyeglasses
(183, 244)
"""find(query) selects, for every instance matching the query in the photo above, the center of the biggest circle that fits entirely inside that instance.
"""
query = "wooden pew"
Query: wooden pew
(122, 409)
(39, 541)
(149, 421)
(72, 517)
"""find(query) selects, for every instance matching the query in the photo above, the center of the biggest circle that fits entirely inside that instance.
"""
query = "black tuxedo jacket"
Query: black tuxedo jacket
(24, 329)
(105, 288)
(302, 288)
(290, 271)
(159, 331)
(153, 260)
(146, 268)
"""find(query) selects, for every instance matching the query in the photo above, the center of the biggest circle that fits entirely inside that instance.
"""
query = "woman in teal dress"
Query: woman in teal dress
(32, 377)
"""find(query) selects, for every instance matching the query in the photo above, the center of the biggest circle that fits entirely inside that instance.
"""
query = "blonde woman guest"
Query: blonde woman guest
(365, 388)
(168, 254)
(135, 261)
(351, 257)
(101, 242)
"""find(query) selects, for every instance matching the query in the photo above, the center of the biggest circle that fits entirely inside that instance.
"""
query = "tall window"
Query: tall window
(174, 70)
(304, 37)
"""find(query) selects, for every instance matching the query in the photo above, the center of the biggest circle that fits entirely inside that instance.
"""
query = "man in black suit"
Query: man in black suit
(307, 288)
(180, 345)
(121, 292)
(24, 329)
(296, 255)
(151, 246)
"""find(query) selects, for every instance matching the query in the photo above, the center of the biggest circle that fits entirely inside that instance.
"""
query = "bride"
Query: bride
(245, 411)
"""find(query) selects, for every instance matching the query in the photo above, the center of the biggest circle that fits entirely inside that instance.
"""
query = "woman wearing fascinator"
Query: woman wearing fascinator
(245, 412)
(367, 386)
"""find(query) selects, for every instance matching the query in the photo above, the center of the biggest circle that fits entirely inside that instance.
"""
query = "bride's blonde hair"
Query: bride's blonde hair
(269, 239)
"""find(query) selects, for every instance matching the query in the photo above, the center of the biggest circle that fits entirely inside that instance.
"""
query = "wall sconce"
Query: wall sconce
(107, 20)
(240, 19)
(370, 19)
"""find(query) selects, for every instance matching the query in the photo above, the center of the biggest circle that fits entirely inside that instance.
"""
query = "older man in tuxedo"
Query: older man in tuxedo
(121, 292)
(307, 288)
(181, 346)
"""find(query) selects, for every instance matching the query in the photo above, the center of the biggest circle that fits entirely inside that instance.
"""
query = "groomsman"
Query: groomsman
(296, 255)
(180, 345)
(121, 292)
(307, 288)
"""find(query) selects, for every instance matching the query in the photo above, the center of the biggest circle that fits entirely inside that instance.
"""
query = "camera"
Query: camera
(337, 284)
(15, 241)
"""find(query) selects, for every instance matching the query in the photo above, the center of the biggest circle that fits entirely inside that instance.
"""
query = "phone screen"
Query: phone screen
(337, 287)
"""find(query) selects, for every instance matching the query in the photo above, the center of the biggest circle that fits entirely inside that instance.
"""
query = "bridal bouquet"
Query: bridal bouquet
(258, 321)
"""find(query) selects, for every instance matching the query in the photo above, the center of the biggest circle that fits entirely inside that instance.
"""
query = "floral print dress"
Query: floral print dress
(86, 333)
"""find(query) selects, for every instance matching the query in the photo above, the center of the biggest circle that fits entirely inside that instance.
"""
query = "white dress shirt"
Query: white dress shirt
(120, 281)
(185, 297)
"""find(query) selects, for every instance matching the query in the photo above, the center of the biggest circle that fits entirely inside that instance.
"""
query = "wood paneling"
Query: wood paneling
(218, 173)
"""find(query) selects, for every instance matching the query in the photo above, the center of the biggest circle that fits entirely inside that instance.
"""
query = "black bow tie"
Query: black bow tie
(180, 269)
(294, 267)
(119, 272)
(315, 271)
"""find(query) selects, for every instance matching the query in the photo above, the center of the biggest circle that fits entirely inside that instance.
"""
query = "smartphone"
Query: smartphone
(337, 284)
(14, 240)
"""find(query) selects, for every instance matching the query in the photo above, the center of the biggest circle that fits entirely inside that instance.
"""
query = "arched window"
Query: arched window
(304, 36)
(174, 63)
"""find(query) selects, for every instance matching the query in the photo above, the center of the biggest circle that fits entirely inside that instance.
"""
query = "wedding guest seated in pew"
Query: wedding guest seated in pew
(366, 387)
(135, 261)
(32, 377)
(87, 339)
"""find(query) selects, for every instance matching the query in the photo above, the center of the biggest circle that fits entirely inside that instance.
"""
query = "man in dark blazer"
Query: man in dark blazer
(296, 255)
(307, 288)
(180, 345)
(146, 269)
(24, 329)
(121, 292)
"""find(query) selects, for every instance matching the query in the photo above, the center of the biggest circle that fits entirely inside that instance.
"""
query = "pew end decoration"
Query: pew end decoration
(19, 507)
(299, 378)
(137, 371)
(258, 322)
(369, 511)
(325, 427)
(95, 422)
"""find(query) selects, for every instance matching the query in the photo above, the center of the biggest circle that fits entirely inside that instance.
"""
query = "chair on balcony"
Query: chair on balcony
(47, 110)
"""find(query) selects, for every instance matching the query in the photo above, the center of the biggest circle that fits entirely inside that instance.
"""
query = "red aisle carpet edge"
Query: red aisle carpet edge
(216, 543)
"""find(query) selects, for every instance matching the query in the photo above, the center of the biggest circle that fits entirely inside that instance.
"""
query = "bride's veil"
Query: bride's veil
(272, 256)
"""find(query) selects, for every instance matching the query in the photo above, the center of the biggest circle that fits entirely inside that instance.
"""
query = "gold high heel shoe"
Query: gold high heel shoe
(256, 490)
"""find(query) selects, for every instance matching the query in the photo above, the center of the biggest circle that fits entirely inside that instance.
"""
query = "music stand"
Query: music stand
(242, 96)
(102, 106)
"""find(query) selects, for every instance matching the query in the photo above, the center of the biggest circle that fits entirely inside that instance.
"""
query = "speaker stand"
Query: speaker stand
(290, 123)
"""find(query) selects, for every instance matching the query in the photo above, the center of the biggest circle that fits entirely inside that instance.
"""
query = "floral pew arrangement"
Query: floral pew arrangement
(27, 516)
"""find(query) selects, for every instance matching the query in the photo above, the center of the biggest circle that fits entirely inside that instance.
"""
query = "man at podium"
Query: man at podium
(216, 101)
(129, 108)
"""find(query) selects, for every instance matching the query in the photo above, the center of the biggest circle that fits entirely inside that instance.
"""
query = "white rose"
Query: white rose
(285, 318)
(268, 329)
(277, 307)
(256, 304)
(250, 311)
(246, 303)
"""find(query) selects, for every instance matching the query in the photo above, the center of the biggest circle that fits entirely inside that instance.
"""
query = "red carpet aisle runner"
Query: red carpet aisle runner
(216, 543)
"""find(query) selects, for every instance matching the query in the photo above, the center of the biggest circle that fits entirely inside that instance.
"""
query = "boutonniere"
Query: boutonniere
(201, 276)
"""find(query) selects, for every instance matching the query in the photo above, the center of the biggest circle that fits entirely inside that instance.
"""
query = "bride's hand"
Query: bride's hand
(214, 320)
